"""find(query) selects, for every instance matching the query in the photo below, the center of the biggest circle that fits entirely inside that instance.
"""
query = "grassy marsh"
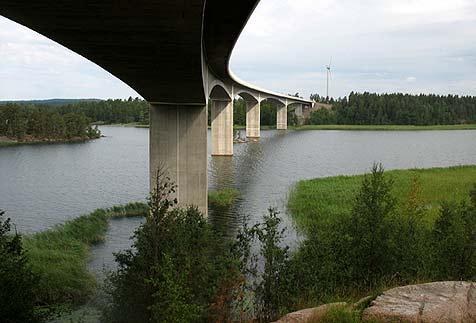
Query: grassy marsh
(323, 199)
(60, 255)
(223, 198)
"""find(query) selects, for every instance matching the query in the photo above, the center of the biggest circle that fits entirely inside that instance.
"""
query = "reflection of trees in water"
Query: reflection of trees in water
(241, 172)
(222, 172)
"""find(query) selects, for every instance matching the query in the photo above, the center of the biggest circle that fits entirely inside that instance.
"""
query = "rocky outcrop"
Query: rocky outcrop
(433, 302)
(308, 313)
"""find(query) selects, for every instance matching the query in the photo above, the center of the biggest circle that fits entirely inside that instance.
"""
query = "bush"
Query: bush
(323, 116)
(177, 269)
(369, 229)
(271, 289)
(381, 245)
(454, 237)
(18, 283)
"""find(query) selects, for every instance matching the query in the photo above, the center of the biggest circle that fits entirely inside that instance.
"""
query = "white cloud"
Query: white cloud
(34, 67)
(377, 45)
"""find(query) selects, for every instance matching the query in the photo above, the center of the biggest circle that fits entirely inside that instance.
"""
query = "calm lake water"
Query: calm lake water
(43, 185)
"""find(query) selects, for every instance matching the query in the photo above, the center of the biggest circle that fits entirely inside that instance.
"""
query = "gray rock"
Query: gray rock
(432, 302)
(305, 315)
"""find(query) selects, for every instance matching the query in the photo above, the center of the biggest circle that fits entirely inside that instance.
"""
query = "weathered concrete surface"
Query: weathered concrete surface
(222, 127)
(433, 302)
(305, 315)
(253, 122)
(282, 117)
(178, 144)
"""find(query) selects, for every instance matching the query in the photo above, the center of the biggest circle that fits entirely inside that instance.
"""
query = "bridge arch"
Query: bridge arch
(275, 101)
(220, 93)
(221, 119)
(247, 96)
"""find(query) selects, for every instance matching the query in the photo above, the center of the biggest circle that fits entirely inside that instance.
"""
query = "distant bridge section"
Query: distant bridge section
(176, 55)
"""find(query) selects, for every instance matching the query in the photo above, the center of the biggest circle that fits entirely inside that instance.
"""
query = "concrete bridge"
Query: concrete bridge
(176, 55)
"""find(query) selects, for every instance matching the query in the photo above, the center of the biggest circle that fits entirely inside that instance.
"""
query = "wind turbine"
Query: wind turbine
(328, 67)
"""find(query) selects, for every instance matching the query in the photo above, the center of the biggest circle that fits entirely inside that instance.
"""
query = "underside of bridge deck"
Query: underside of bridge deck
(166, 50)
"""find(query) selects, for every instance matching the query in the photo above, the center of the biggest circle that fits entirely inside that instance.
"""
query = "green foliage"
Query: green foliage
(322, 116)
(388, 127)
(223, 198)
(271, 291)
(239, 112)
(66, 246)
(413, 233)
(454, 237)
(19, 285)
(60, 255)
(338, 314)
(369, 227)
(40, 123)
(398, 109)
(108, 111)
(268, 112)
(176, 269)
(382, 240)
(319, 201)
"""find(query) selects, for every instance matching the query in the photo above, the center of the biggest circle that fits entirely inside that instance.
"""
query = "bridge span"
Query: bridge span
(176, 55)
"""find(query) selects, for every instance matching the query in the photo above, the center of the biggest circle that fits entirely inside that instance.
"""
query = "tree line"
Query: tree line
(398, 109)
(33, 123)
(136, 110)
(109, 111)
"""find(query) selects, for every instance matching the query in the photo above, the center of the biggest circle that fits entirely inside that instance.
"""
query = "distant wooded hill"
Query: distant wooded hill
(52, 102)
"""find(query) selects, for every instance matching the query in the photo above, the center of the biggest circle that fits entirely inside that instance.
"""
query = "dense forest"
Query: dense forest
(137, 111)
(59, 120)
(32, 123)
(108, 111)
(398, 109)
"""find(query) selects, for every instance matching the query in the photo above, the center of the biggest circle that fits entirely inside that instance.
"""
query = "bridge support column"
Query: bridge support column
(282, 117)
(253, 115)
(222, 127)
(178, 145)
(299, 112)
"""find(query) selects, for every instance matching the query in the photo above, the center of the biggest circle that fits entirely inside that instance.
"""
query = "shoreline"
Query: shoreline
(386, 127)
(339, 127)
(319, 200)
(7, 142)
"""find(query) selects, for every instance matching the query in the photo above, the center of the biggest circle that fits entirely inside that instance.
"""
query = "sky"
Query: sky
(410, 46)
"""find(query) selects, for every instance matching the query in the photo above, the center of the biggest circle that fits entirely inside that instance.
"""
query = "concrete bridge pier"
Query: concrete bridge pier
(222, 127)
(253, 122)
(282, 117)
(178, 146)
(299, 112)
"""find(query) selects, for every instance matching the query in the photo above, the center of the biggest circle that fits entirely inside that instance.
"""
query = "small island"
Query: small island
(29, 124)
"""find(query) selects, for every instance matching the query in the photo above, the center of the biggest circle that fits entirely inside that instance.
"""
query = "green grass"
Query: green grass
(222, 198)
(8, 143)
(387, 127)
(322, 200)
(337, 314)
(60, 255)
(127, 125)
